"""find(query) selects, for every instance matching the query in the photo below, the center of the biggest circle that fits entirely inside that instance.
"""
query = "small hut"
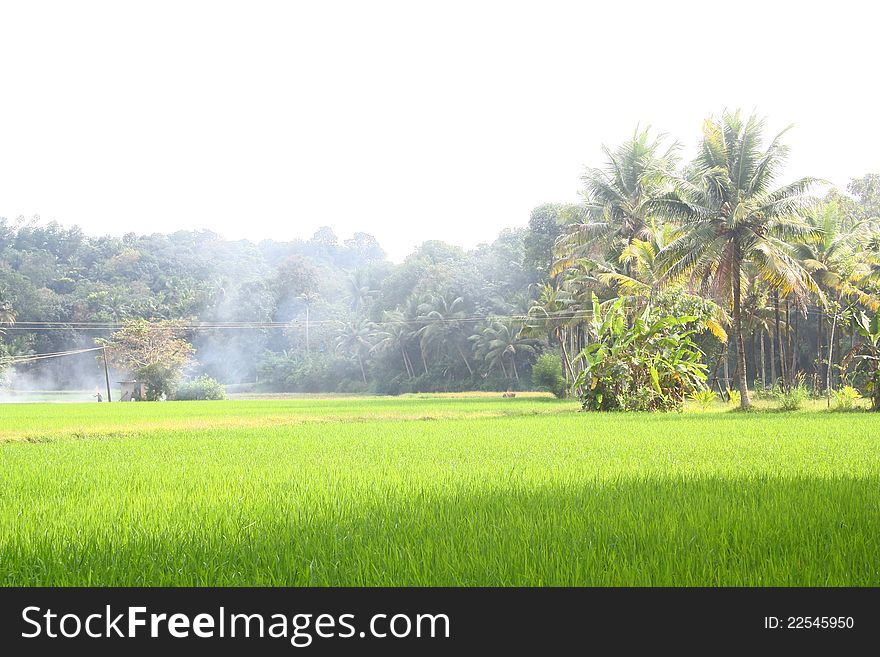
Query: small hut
(133, 390)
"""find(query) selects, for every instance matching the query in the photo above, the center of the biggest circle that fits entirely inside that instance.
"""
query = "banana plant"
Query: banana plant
(649, 363)
(867, 354)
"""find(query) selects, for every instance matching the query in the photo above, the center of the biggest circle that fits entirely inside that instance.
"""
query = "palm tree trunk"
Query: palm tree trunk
(566, 361)
(772, 360)
(779, 341)
(361, 363)
(830, 353)
(819, 346)
(464, 358)
(405, 361)
(754, 349)
(742, 381)
(792, 341)
(503, 369)
(725, 361)
(515, 373)
(763, 360)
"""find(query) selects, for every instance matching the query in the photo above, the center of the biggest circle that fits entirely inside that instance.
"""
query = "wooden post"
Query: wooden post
(106, 373)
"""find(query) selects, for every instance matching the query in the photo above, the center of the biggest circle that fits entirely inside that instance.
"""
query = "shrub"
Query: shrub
(734, 397)
(202, 388)
(762, 391)
(845, 398)
(768, 393)
(647, 364)
(161, 381)
(354, 387)
(547, 374)
(794, 399)
(705, 398)
(298, 372)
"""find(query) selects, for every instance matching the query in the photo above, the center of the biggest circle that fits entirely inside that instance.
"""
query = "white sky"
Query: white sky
(408, 120)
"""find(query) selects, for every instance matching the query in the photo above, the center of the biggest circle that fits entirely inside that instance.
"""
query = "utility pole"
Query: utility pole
(106, 373)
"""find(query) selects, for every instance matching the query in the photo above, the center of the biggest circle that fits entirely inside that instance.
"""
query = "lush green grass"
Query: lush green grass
(434, 491)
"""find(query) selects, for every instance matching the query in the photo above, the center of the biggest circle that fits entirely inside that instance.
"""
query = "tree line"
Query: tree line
(794, 276)
(781, 279)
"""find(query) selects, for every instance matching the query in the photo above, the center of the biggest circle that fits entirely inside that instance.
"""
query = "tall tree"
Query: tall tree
(836, 264)
(500, 342)
(445, 325)
(731, 214)
(619, 200)
(394, 337)
(355, 339)
(155, 352)
(551, 315)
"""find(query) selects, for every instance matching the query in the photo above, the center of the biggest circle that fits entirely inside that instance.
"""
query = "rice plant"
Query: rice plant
(434, 491)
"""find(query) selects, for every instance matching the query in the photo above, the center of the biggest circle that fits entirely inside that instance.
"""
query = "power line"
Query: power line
(18, 360)
(54, 325)
(297, 323)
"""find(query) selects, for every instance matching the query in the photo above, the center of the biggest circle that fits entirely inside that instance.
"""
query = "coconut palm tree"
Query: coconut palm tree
(358, 287)
(445, 325)
(837, 264)
(618, 200)
(836, 260)
(731, 215)
(502, 341)
(411, 312)
(355, 340)
(552, 314)
(866, 235)
(395, 337)
(759, 318)
(639, 260)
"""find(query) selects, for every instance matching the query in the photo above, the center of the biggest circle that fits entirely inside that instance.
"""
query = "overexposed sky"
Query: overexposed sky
(407, 120)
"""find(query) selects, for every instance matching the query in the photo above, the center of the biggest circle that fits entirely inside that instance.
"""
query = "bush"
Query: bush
(648, 363)
(768, 393)
(202, 388)
(704, 398)
(845, 398)
(354, 387)
(299, 372)
(759, 390)
(794, 399)
(867, 356)
(547, 374)
(734, 397)
(161, 381)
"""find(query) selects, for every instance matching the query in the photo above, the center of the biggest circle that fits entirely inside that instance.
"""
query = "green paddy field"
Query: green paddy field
(435, 490)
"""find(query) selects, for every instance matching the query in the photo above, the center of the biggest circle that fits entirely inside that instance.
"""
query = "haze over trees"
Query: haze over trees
(789, 270)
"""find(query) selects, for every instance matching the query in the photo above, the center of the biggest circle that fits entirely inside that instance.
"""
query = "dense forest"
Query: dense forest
(310, 315)
(780, 272)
